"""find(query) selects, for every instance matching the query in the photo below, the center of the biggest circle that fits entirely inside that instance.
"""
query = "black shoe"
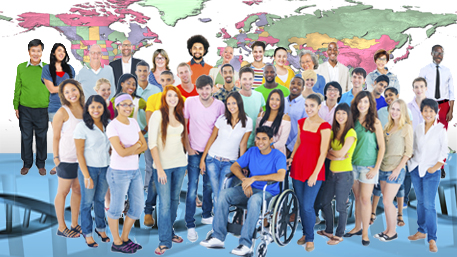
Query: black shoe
(386, 238)
(365, 243)
(443, 173)
(358, 233)
(380, 235)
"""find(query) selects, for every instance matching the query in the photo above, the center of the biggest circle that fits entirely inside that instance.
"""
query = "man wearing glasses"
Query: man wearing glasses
(440, 87)
(90, 73)
(126, 64)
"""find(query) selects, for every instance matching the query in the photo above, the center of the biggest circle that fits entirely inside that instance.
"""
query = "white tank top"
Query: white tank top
(67, 148)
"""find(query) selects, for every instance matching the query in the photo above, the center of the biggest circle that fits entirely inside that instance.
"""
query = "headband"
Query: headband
(121, 98)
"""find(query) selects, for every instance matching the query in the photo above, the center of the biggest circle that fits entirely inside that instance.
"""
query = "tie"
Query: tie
(437, 83)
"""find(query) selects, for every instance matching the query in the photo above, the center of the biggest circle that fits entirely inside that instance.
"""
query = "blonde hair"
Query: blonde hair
(404, 116)
(309, 74)
(101, 82)
(183, 64)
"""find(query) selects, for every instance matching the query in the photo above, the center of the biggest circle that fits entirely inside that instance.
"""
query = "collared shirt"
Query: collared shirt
(393, 80)
(39, 64)
(327, 114)
(333, 71)
(416, 113)
(126, 67)
(145, 94)
(222, 94)
(296, 110)
(88, 78)
(29, 91)
(347, 98)
(446, 82)
(428, 149)
(96, 145)
(202, 63)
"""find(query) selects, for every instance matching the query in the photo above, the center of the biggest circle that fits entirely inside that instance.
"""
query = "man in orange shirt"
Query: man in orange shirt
(198, 47)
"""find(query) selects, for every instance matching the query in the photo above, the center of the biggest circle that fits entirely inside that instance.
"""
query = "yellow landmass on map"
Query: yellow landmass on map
(94, 33)
(314, 40)
(82, 46)
(86, 59)
(359, 43)
(264, 34)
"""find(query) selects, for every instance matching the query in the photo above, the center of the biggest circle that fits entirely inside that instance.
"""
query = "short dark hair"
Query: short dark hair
(299, 76)
(394, 90)
(246, 69)
(335, 85)
(436, 46)
(380, 53)
(279, 48)
(266, 130)
(227, 65)
(142, 63)
(88, 120)
(430, 103)
(35, 42)
(382, 78)
(197, 39)
(166, 72)
(360, 71)
(204, 80)
(258, 43)
(418, 79)
(315, 97)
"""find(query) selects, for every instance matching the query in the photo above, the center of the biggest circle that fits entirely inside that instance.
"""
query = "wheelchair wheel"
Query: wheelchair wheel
(261, 250)
(283, 228)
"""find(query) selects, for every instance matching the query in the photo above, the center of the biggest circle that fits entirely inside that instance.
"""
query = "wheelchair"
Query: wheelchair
(277, 221)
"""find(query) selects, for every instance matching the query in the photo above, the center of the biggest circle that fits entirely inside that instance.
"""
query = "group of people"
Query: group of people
(335, 130)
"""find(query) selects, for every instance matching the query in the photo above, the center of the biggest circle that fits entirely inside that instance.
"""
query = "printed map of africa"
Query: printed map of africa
(358, 29)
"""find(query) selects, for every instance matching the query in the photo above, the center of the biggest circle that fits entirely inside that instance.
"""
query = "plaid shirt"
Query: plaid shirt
(222, 94)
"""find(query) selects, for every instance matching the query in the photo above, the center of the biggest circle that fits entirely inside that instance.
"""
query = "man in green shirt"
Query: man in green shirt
(31, 99)
(269, 73)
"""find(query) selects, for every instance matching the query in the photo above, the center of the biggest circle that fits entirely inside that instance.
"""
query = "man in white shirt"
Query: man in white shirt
(334, 70)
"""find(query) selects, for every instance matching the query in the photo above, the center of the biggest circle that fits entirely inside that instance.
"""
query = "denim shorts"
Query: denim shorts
(51, 116)
(360, 174)
(67, 170)
(384, 176)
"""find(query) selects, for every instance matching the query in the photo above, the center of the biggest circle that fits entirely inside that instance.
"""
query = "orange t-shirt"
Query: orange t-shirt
(198, 70)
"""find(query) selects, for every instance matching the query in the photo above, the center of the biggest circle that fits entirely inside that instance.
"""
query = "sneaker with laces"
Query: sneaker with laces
(192, 235)
(207, 221)
(241, 250)
(212, 243)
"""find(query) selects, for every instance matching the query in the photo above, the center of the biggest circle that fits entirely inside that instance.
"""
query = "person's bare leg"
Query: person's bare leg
(107, 199)
(400, 201)
(357, 213)
(75, 202)
(365, 198)
(114, 228)
(128, 224)
(389, 191)
(63, 189)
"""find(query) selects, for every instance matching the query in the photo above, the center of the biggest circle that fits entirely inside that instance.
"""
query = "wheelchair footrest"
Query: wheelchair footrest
(235, 229)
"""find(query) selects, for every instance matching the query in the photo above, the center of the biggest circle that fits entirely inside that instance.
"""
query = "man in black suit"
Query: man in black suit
(126, 64)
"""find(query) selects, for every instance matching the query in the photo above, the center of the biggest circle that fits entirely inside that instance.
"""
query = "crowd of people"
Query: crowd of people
(334, 129)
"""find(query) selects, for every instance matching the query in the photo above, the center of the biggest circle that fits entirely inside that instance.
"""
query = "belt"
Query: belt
(442, 101)
(221, 159)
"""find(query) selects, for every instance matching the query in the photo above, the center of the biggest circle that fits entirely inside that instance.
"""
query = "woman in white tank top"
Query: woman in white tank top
(65, 120)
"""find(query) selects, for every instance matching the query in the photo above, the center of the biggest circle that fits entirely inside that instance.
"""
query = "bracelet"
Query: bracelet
(57, 157)
(87, 179)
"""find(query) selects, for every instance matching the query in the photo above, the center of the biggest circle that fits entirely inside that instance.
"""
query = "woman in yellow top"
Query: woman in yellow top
(339, 182)
(128, 84)
(284, 74)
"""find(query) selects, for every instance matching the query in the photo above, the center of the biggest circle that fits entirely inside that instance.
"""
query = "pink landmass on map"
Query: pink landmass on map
(92, 12)
(30, 20)
(225, 34)
(86, 5)
(139, 17)
(269, 40)
(240, 24)
(123, 3)
(80, 20)
(253, 2)
(405, 55)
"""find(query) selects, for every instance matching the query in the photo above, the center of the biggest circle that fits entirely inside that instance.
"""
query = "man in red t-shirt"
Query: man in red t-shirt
(186, 87)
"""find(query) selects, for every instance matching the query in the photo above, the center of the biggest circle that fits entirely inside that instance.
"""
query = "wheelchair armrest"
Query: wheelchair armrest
(229, 175)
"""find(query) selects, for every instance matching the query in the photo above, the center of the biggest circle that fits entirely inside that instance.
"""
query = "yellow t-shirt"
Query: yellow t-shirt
(154, 102)
(346, 164)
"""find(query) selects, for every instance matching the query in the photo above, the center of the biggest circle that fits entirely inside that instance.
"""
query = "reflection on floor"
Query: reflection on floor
(40, 239)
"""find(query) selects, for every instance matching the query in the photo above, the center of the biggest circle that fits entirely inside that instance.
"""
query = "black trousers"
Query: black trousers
(33, 120)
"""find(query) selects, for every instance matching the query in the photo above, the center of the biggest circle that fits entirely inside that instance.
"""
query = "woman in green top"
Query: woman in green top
(339, 181)
(366, 160)
(128, 84)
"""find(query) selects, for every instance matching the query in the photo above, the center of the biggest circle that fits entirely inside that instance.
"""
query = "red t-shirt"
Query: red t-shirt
(305, 159)
(185, 93)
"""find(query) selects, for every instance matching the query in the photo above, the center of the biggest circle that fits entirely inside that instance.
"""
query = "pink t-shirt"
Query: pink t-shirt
(201, 120)
(128, 135)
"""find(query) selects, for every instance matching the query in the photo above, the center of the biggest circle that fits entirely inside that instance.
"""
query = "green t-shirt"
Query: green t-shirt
(346, 164)
(366, 150)
(266, 91)
(252, 105)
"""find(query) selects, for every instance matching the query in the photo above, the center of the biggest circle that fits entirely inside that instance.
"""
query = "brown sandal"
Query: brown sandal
(322, 233)
(334, 240)
(400, 221)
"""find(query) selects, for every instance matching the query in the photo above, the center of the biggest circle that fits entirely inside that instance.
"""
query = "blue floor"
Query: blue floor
(44, 242)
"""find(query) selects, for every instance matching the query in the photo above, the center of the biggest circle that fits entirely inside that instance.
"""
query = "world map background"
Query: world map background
(232, 23)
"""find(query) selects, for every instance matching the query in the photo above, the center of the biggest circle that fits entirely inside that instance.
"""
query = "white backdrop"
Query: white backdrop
(224, 14)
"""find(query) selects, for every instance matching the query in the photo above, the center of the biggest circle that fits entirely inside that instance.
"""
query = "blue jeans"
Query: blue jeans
(306, 197)
(96, 195)
(405, 188)
(193, 173)
(234, 196)
(151, 199)
(168, 202)
(121, 183)
(216, 171)
(426, 189)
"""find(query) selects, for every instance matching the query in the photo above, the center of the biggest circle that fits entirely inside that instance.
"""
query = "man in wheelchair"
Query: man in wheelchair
(265, 164)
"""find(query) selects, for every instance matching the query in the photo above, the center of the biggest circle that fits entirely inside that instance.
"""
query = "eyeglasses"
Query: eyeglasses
(435, 53)
(383, 59)
(126, 45)
(333, 90)
(96, 53)
(158, 58)
(127, 105)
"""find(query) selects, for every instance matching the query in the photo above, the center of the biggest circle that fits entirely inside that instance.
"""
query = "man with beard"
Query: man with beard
(269, 73)
(201, 113)
(198, 47)
(334, 70)
(229, 85)
(127, 64)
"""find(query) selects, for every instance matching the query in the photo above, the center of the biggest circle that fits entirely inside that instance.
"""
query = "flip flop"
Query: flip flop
(372, 219)
(322, 233)
(400, 221)
(177, 239)
(161, 248)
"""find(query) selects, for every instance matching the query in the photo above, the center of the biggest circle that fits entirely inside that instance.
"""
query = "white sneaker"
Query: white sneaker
(192, 234)
(212, 243)
(241, 250)
(207, 221)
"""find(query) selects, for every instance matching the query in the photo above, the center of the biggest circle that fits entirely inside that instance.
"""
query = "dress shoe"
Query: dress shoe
(42, 171)
(432, 246)
(24, 171)
(301, 241)
(148, 220)
(417, 236)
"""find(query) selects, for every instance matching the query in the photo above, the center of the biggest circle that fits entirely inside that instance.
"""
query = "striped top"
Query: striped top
(258, 76)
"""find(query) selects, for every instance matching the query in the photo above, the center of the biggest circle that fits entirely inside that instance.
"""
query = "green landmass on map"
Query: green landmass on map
(304, 7)
(172, 11)
(2, 17)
